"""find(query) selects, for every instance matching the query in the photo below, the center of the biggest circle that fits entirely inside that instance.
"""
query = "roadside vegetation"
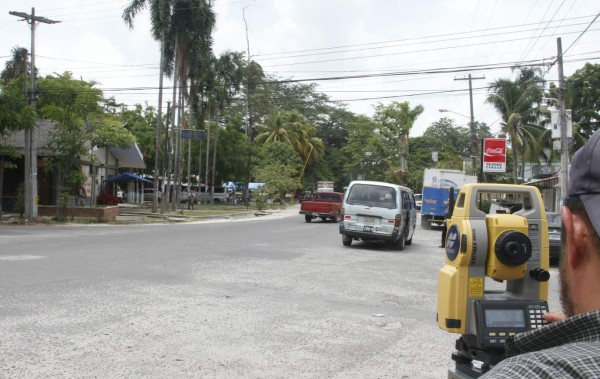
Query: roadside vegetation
(265, 128)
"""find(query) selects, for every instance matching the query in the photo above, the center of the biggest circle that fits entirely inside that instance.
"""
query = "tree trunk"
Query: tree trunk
(214, 163)
(515, 163)
(170, 191)
(1, 183)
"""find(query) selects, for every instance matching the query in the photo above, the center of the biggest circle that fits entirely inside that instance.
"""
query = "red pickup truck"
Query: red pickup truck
(324, 205)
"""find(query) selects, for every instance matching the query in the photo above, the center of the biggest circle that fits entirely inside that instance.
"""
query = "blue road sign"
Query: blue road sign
(192, 134)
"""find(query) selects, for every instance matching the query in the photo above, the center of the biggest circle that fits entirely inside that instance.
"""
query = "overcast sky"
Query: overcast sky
(416, 51)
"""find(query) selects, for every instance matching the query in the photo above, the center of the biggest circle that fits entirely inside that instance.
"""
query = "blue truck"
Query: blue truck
(437, 184)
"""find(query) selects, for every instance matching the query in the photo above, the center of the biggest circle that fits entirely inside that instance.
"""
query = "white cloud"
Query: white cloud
(92, 41)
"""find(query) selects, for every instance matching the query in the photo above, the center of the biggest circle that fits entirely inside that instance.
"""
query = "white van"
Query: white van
(219, 195)
(378, 211)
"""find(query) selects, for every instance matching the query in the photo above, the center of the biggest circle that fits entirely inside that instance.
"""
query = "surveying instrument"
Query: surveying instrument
(494, 283)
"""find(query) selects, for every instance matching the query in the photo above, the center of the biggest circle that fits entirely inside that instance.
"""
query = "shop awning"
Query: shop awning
(549, 182)
(130, 157)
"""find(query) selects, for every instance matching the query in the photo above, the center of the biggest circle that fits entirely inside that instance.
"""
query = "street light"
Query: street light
(474, 147)
(449, 111)
(543, 107)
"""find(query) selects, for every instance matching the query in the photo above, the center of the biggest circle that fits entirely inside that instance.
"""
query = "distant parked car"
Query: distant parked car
(418, 200)
(149, 194)
(120, 194)
(554, 225)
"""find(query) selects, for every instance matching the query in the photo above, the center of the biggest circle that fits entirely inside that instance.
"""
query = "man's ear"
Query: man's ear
(576, 249)
(568, 246)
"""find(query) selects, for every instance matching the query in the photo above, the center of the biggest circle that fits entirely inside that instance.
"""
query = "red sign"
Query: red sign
(494, 155)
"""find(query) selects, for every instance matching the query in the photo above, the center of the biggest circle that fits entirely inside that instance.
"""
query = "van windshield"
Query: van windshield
(372, 195)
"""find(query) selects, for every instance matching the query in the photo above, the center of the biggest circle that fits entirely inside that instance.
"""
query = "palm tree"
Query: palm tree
(160, 14)
(228, 74)
(396, 120)
(15, 113)
(513, 100)
(185, 27)
(18, 65)
(293, 129)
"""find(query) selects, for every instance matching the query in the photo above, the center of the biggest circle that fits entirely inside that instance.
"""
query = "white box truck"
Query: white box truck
(324, 186)
(437, 184)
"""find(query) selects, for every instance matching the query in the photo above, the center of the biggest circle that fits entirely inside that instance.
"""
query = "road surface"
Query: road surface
(271, 297)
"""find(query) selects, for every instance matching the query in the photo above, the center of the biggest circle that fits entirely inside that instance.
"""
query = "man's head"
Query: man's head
(581, 229)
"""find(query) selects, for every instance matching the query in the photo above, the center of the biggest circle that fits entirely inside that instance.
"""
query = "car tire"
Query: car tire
(336, 218)
(307, 218)
(425, 224)
(346, 240)
(399, 245)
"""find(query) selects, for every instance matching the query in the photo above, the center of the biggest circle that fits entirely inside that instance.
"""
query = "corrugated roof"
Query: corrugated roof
(41, 135)
(128, 158)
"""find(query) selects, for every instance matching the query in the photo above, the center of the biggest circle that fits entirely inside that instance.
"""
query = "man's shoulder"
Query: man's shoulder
(577, 359)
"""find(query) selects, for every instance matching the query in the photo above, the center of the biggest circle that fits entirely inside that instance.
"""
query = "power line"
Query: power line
(402, 53)
(582, 33)
(413, 39)
(528, 49)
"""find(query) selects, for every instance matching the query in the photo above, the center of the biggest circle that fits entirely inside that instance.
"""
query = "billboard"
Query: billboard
(494, 155)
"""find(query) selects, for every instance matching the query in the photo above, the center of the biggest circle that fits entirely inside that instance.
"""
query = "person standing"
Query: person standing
(191, 199)
(80, 196)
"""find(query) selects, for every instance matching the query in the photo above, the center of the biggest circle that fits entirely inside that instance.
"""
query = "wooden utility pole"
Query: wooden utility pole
(564, 142)
(30, 149)
(248, 116)
(474, 139)
(158, 127)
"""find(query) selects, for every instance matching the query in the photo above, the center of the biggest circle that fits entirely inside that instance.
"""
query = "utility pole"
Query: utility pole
(158, 126)
(562, 117)
(30, 149)
(474, 139)
(248, 116)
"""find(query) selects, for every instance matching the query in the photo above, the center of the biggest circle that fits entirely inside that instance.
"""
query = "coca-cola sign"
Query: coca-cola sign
(494, 155)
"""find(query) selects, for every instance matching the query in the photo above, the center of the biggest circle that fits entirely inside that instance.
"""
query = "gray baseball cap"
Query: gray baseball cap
(584, 178)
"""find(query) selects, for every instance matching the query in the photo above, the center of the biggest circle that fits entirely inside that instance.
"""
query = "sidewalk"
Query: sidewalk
(142, 214)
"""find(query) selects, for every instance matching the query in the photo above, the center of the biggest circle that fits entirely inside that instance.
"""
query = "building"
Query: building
(99, 171)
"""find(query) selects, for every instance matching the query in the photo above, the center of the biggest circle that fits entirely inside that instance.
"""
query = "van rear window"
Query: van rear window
(372, 195)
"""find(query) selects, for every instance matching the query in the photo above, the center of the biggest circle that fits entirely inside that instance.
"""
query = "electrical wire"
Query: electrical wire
(582, 33)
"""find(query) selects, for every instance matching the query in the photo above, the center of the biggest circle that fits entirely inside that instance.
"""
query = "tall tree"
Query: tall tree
(74, 106)
(185, 27)
(366, 150)
(160, 11)
(277, 167)
(228, 74)
(141, 122)
(293, 129)
(583, 98)
(396, 120)
(15, 113)
(513, 99)
(17, 65)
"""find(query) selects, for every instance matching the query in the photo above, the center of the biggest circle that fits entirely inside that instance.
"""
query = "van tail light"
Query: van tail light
(341, 213)
(398, 221)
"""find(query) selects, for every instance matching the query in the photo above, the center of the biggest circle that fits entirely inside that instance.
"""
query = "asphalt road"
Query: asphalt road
(272, 297)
